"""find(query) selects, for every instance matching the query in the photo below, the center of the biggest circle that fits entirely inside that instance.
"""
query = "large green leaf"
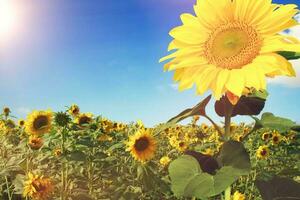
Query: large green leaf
(234, 154)
(278, 188)
(269, 120)
(189, 180)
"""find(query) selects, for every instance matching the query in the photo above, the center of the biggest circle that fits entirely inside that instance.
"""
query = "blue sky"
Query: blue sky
(103, 56)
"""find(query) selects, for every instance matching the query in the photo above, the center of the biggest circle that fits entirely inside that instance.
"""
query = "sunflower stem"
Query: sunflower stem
(63, 175)
(228, 114)
(214, 124)
(228, 193)
(8, 188)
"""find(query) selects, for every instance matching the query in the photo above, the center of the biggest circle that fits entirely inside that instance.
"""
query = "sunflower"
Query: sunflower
(37, 187)
(265, 136)
(262, 152)
(84, 119)
(181, 146)
(238, 196)
(142, 145)
(39, 122)
(21, 123)
(232, 44)
(35, 143)
(74, 110)
(105, 137)
(57, 152)
(276, 138)
(6, 111)
(164, 161)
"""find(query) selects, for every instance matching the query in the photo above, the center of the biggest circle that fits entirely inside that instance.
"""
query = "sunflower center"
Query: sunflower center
(40, 122)
(39, 187)
(233, 45)
(84, 120)
(263, 152)
(141, 144)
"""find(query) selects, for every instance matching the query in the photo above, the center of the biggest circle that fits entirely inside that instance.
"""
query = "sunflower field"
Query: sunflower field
(227, 49)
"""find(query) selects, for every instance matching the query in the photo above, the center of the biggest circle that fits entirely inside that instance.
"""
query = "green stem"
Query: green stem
(63, 175)
(228, 193)
(228, 114)
(8, 189)
(214, 124)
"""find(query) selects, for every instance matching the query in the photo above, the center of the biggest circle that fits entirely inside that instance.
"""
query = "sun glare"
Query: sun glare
(8, 18)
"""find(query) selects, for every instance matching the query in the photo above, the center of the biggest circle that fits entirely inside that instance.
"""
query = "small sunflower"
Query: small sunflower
(232, 44)
(276, 138)
(238, 196)
(181, 146)
(265, 136)
(204, 127)
(37, 187)
(142, 145)
(84, 119)
(21, 123)
(35, 143)
(164, 161)
(74, 110)
(6, 111)
(57, 152)
(262, 152)
(104, 137)
(39, 122)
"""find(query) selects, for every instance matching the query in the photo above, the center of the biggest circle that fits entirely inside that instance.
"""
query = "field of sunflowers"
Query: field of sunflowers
(74, 155)
(228, 48)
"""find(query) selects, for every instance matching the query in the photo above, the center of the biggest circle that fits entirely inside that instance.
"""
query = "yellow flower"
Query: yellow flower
(173, 141)
(39, 122)
(204, 127)
(262, 152)
(265, 136)
(238, 196)
(35, 143)
(164, 161)
(208, 151)
(276, 138)
(6, 111)
(37, 187)
(232, 44)
(21, 123)
(74, 110)
(57, 152)
(181, 146)
(105, 137)
(83, 119)
(142, 145)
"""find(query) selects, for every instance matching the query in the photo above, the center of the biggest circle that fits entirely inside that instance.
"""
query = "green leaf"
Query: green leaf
(189, 180)
(278, 188)
(76, 156)
(269, 120)
(116, 146)
(234, 154)
(289, 55)
(199, 109)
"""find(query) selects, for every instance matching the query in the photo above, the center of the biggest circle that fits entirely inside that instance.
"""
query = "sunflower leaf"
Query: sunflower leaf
(199, 109)
(289, 55)
(269, 120)
(278, 188)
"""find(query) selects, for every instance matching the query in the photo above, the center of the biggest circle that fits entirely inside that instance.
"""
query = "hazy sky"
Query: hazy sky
(103, 56)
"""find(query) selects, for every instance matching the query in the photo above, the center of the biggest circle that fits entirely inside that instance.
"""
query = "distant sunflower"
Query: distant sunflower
(74, 110)
(84, 119)
(6, 111)
(39, 122)
(238, 196)
(232, 44)
(37, 187)
(276, 138)
(181, 146)
(262, 152)
(142, 145)
(35, 143)
(265, 136)
(164, 161)
(21, 123)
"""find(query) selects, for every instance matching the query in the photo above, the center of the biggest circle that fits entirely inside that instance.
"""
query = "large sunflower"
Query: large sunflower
(84, 119)
(37, 187)
(142, 145)
(232, 44)
(39, 122)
